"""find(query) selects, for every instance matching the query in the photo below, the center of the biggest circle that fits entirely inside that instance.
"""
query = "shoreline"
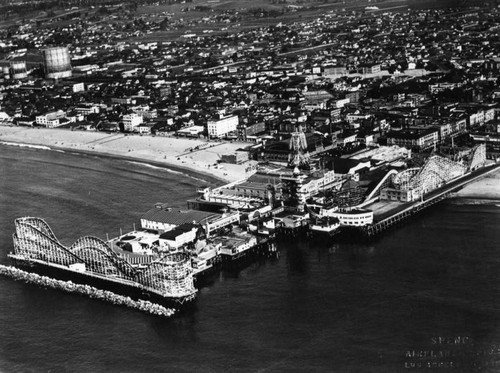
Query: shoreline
(486, 188)
(193, 156)
(189, 172)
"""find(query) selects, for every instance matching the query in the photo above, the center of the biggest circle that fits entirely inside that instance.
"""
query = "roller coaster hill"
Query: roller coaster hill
(400, 194)
(437, 171)
(167, 280)
(400, 184)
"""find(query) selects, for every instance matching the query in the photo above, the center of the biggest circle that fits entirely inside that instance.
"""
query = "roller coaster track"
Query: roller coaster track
(97, 254)
(171, 275)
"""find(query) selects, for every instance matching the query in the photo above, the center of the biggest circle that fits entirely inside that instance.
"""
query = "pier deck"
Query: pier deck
(389, 213)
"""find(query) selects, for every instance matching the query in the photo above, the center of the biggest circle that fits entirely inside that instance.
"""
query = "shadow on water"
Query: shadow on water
(177, 329)
(296, 260)
(232, 270)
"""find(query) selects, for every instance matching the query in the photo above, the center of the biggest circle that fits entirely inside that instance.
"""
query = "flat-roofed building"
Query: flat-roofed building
(130, 121)
(414, 139)
(334, 70)
(50, 120)
(245, 130)
(193, 131)
(371, 68)
(222, 126)
(86, 110)
(179, 236)
(164, 219)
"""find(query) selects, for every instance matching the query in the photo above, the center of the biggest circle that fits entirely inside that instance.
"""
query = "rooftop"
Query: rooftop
(179, 217)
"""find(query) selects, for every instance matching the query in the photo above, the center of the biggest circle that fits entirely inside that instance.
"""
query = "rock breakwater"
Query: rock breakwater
(86, 290)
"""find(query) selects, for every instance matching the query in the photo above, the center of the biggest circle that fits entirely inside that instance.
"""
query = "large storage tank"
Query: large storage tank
(18, 70)
(57, 62)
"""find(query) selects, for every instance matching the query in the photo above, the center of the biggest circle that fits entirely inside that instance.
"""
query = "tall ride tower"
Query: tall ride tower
(298, 157)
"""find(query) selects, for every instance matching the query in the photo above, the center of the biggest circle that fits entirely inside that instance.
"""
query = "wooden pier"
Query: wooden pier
(430, 199)
(372, 230)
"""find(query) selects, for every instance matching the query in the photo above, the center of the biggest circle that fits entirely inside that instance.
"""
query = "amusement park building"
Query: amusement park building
(166, 219)
(302, 187)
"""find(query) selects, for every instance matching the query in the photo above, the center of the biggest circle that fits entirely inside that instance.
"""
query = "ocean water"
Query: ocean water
(423, 297)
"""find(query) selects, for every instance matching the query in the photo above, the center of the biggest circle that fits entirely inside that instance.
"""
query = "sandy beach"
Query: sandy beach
(487, 187)
(180, 153)
(168, 151)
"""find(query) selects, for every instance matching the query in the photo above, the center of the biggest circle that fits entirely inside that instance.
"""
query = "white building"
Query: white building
(477, 118)
(351, 217)
(131, 121)
(50, 120)
(489, 114)
(145, 111)
(86, 110)
(164, 219)
(221, 127)
(143, 128)
(4, 117)
(345, 139)
(401, 195)
(341, 102)
(354, 117)
(178, 236)
(78, 87)
(193, 131)
(355, 217)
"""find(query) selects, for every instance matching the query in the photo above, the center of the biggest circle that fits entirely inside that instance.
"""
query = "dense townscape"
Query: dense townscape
(348, 121)
(351, 79)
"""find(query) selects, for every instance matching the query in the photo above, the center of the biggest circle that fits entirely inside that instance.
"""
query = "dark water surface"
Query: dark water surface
(427, 292)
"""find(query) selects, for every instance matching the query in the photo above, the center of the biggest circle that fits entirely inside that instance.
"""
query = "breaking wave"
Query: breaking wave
(142, 164)
(167, 169)
(22, 145)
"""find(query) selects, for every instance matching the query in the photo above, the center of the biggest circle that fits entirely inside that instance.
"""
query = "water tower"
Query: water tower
(57, 62)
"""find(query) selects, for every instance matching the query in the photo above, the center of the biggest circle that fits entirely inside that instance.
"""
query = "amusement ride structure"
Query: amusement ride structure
(170, 276)
(434, 173)
(298, 157)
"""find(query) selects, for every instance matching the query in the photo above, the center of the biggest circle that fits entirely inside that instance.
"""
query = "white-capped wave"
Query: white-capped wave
(168, 170)
(22, 145)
